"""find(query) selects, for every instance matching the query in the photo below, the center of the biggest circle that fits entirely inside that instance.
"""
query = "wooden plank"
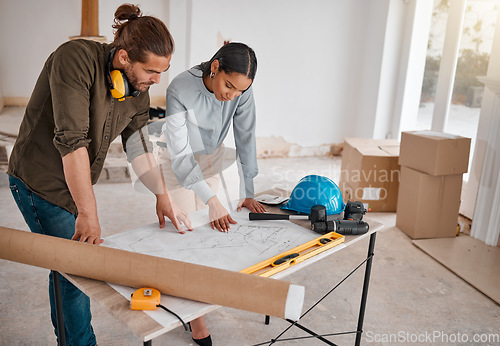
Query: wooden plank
(469, 258)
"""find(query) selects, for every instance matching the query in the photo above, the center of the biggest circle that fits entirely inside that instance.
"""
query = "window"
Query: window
(473, 57)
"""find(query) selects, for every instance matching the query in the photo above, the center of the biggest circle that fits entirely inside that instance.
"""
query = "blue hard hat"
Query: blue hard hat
(313, 190)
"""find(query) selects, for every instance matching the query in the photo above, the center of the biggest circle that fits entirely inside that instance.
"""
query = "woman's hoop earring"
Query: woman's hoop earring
(212, 75)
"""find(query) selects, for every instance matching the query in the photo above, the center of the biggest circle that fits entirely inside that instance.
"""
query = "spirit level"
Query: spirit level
(296, 255)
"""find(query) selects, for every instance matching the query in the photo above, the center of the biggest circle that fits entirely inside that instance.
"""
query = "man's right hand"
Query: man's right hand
(167, 207)
(219, 216)
(87, 229)
(76, 167)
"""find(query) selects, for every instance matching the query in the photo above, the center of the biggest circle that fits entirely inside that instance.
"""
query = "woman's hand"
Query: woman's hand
(166, 207)
(252, 204)
(219, 216)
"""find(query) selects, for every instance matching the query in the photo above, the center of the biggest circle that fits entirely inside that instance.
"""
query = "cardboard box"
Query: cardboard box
(370, 173)
(428, 205)
(434, 153)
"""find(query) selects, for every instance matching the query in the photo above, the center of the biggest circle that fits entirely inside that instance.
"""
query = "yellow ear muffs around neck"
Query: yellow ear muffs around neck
(120, 87)
(118, 83)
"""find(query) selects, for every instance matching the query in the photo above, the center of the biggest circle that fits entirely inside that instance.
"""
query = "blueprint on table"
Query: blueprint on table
(247, 243)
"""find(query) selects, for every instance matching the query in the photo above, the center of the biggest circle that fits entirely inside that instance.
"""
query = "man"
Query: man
(87, 94)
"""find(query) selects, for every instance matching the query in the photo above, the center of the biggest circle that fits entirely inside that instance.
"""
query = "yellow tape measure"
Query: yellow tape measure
(296, 255)
(145, 299)
(148, 298)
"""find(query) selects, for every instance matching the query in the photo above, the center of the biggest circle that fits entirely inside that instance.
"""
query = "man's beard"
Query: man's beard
(134, 82)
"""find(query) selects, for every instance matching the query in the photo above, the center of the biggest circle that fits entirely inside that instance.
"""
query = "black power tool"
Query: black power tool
(351, 225)
(344, 227)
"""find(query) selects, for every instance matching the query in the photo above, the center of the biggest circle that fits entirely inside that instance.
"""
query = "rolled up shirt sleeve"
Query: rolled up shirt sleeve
(186, 169)
(246, 150)
(70, 79)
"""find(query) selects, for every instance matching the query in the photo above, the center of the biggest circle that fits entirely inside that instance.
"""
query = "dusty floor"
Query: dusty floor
(412, 298)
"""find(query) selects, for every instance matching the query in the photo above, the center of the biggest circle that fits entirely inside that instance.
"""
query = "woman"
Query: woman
(202, 102)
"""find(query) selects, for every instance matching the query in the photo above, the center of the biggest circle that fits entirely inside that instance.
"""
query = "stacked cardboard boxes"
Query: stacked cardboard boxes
(370, 173)
(432, 165)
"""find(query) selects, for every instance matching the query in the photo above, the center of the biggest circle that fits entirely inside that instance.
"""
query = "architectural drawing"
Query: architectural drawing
(247, 243)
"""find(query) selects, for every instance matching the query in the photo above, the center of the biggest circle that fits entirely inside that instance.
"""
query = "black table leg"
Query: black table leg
(366, 283)
(59, 310)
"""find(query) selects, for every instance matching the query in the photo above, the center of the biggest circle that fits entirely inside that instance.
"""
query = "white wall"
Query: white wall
(31, 30)
(308, 55)
(371, 81)
(320, 62)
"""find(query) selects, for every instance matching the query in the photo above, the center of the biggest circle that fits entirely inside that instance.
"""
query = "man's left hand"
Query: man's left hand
(166, 207)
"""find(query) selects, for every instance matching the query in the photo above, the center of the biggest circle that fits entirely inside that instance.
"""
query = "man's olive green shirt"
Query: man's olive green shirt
(71, 107)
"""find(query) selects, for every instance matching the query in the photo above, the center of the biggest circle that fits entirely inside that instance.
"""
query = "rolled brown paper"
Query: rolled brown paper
(191, 281)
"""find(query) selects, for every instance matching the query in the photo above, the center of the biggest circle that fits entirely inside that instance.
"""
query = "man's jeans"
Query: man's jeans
(46, 218)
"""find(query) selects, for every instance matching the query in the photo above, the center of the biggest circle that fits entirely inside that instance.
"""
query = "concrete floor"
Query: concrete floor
(412, 298)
